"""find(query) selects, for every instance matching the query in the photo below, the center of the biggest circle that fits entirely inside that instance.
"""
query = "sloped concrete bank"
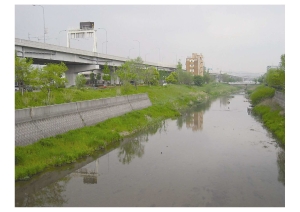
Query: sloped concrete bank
(32, 124)
(279, 98)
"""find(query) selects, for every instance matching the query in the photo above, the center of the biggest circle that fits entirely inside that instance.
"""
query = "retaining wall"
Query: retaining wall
(279, 98)
(32, 124)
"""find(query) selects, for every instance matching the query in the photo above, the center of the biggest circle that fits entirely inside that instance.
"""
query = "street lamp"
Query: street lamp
(43, 19)
(106, 46)
(105, 37)
(129, 52)
(139, 47)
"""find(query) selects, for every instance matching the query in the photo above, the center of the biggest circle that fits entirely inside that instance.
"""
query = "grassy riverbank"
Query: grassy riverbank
(271, 114)
(75, 144)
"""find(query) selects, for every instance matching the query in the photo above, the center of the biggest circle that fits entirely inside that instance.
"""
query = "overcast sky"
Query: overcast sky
(232, 38)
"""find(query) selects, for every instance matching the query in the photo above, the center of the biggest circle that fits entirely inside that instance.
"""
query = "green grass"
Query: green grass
(269, 112)
(75, 144)
(260, 93)
(272, 120)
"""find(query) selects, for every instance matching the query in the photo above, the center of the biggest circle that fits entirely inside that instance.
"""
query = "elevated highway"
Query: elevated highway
(75, 59)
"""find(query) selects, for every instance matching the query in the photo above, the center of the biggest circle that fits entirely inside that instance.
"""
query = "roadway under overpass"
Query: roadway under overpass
(75, 59)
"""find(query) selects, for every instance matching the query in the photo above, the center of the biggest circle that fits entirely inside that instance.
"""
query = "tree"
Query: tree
(206, 77)
(106, 73)
(225, 77)
(92, 78)
(131, 70)
(185, 77)
(282, 62)
(80, 81)
(261, 79)
(276, 78)
(124, 73)
(98, 77)
(198, 80)
(163, 75)
(50, 77)
(150, 76)
(137, 66)
(172, 78)
(114, 76)
(178, 70)
(23, 69)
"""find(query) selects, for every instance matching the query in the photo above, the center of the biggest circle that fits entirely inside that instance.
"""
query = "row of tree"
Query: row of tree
(133, 71)
(275, 77)
(46, 78)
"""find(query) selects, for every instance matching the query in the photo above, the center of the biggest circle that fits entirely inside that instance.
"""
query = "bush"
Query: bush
(261, 93)
(272, 120)
(80, 81)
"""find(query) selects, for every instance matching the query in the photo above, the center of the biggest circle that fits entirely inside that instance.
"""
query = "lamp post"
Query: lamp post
(129, 52)
(43, 19)
(105, 37)
(106, 46)
(139, 47)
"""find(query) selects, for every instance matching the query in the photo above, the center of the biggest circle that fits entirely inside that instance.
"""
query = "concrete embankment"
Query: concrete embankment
(279, 98)
(32, 124)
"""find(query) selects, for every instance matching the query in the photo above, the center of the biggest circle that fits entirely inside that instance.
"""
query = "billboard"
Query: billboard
(86, 25)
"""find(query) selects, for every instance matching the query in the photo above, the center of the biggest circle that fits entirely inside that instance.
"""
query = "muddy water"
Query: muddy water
(215, 154)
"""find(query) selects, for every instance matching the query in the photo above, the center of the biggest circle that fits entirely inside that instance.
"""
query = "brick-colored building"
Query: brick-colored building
(194, 64)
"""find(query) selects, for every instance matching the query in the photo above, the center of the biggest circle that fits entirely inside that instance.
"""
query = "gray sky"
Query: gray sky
(232, 38)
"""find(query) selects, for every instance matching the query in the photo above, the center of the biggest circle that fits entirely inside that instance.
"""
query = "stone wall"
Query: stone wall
(32, 124)
(279, 98)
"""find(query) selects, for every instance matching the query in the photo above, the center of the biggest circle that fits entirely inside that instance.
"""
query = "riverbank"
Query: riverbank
(270, 113)
(167, 101)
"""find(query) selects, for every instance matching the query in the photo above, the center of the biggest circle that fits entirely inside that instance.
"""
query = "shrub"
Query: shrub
(272, 120)
(261, 93)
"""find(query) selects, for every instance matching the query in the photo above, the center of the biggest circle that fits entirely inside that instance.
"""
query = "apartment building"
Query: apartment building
(194, 64)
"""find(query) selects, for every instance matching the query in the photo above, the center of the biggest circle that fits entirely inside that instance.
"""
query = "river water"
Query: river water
(215, 155)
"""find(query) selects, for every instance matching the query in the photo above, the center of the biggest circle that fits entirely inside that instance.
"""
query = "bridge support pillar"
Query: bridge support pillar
(73, 70)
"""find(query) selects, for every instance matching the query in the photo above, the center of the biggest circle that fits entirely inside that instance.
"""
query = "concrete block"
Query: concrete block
(22, 115)
(53, 110)
(93, 104)
(32, 124)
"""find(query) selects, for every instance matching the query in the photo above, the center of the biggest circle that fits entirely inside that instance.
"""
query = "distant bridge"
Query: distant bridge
(75, 59)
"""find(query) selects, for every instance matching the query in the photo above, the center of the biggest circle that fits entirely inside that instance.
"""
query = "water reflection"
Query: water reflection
(193, 117)
(50, 195)
(281, 166)
(86, 177)
(133, 147)
(89, 175)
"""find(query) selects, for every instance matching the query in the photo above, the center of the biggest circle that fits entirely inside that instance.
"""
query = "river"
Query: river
(216, 154)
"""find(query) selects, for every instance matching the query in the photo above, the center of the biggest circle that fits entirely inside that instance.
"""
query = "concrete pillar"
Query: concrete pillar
(73, 70)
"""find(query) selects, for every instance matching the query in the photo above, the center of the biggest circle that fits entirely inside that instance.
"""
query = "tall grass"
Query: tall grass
(268, 112)
(261, 93)
(72, 145)
(272, 120)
